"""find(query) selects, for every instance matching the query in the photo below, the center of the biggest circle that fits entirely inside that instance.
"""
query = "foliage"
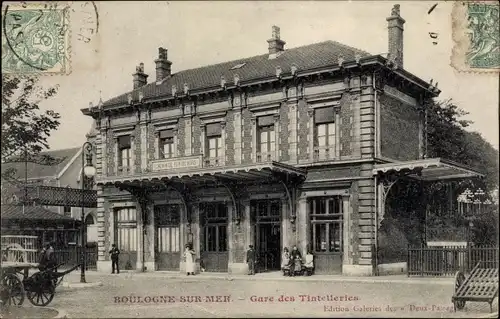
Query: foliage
(25, 128)
(484, 230)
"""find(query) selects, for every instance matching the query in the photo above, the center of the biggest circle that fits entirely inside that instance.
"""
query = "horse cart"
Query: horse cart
(39, 288)
(481, 285)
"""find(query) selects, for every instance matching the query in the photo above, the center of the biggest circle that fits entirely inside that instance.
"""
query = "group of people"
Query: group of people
(291, 262)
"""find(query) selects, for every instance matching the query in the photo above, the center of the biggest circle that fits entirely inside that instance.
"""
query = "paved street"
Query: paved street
(146, 295)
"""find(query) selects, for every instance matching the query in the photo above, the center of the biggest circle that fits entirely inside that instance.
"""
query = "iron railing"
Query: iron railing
(263, 157)
(61, 196)
(324, 153)
(72, 256)
(446, 261)
(213, 161)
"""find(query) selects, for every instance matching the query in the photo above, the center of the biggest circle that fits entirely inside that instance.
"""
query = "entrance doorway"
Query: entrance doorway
(267, 219)
(167, 237)
(214, 252)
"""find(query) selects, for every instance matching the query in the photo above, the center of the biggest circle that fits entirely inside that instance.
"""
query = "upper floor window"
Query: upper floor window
(324, 119)
(267, 137)
(67, 210)
(124, 151)
(166, 143)
(214, 140)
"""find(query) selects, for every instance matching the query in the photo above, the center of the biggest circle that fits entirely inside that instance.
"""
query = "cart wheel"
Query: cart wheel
(41, 291)
(459, 279)
(13, 289)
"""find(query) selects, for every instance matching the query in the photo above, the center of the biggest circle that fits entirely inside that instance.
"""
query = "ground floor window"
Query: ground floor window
(126, 229)
(167, 220)
(326, 224)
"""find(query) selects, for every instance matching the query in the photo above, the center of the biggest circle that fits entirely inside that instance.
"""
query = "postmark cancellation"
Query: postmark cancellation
(476, 36)
(36, 39)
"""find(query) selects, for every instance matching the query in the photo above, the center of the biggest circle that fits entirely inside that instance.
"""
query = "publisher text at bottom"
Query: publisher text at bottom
(388, 308)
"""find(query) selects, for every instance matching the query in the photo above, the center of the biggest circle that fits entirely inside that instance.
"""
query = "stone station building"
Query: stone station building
(292, 147)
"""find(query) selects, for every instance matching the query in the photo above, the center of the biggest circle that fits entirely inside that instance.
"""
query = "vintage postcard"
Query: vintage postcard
(249, 159)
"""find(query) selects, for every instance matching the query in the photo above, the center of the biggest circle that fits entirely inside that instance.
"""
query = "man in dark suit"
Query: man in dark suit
(251, 260)
(114, 252)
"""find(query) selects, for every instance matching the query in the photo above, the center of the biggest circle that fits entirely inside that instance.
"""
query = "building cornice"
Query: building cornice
(364, 65)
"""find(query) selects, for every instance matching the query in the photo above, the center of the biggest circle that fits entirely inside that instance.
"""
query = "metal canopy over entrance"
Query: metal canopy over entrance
(432, 169)
(200, 176)
(425, 170)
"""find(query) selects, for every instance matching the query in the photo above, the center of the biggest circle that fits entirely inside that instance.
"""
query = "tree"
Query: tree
(447, 138)
(25, 128)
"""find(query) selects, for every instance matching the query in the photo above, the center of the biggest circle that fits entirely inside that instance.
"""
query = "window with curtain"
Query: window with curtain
(324, 119)
(166, 143)
(126, 229)
(213, 140)
(267, 136)
(124, 152)
(167, 221)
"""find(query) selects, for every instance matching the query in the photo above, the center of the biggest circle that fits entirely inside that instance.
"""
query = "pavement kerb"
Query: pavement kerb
(205, 276)
(490, 315)
(81, 284)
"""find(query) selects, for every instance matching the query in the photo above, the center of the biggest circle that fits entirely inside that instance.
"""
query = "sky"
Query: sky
(202, 33)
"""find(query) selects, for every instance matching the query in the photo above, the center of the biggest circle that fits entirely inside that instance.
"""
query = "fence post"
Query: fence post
(421, 260)
(408, 262)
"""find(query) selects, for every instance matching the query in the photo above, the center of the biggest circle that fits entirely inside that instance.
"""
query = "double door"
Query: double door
(214, 246)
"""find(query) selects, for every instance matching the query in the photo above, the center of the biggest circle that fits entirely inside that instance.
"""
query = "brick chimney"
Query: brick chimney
(163, 65)
(276, 45)
(395, 27)
(140, 78)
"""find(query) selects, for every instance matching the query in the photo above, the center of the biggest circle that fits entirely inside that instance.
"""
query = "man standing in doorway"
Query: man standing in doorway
(251, 260)
(114, 252)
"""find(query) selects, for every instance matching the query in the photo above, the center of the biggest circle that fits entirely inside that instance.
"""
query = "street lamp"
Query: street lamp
(89, 171)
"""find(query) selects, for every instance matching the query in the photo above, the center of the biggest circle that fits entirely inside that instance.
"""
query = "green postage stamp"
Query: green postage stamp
(476, 36)
(35, 39)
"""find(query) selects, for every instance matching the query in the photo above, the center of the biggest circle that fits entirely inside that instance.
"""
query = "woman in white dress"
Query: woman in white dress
(189, 256)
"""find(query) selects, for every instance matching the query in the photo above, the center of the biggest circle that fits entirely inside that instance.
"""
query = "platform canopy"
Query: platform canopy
(431, 169)
(241, 173)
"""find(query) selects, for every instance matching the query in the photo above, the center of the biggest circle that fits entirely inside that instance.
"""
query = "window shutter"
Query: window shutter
(124, 141)
(166, 133)
(265, 120)
(324, 115)
(213, 129)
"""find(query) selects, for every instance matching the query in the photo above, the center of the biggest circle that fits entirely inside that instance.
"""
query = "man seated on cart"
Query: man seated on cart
(47, 258)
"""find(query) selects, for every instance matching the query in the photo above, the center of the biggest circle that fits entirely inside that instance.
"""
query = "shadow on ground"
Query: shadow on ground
(28, 312)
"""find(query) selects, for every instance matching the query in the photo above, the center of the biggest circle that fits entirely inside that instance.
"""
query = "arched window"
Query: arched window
(89, 220)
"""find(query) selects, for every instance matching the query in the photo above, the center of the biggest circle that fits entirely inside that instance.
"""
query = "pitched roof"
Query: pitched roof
(305, 58)
(32, 213)
(39, 171)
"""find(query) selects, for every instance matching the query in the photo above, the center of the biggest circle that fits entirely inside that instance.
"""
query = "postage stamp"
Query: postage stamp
(36, 39)
(476, 36)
